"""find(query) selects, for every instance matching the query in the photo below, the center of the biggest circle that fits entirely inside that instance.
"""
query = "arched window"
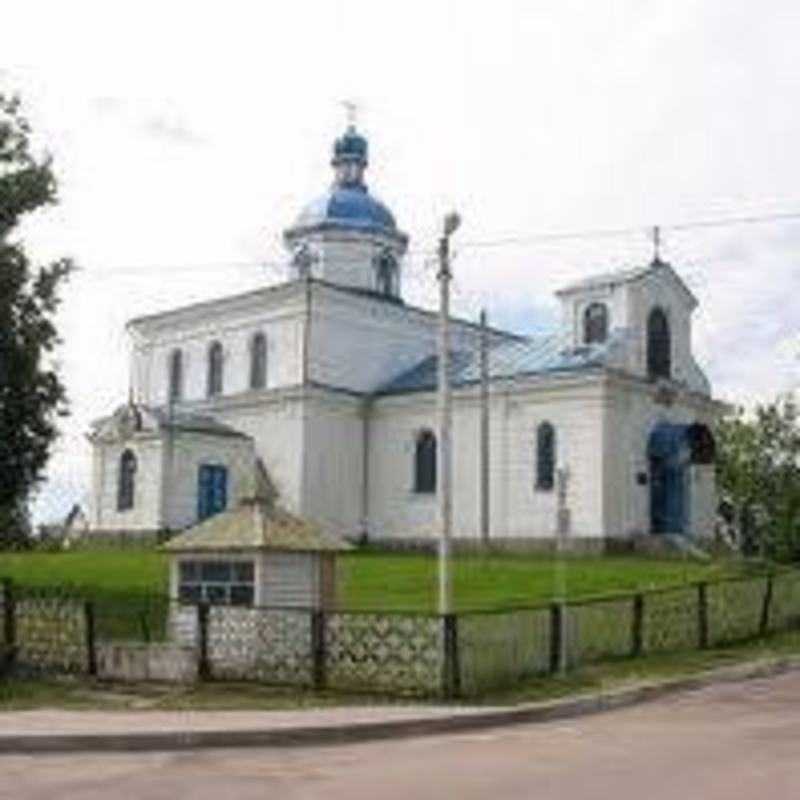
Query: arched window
(215, 369)
(595, 323)
(175, 376)
(126, 481)
(545, 456)
(425, 463)
(386, 273)
(659, 347)
(258, 361)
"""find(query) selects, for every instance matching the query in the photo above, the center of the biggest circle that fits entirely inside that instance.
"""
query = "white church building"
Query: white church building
(326, 386)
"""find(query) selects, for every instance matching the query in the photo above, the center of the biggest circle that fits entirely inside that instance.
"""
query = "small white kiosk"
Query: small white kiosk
(255, 555)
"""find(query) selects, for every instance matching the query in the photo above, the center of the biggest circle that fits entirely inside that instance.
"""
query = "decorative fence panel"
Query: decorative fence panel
(402, 653)
(50, 632)
(499, 649)
(269, 645)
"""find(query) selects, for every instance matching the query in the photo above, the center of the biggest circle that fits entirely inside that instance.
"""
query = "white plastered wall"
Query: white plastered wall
(518, 509)
(231, 321)
(184, 453)
(334, 462)
(146, 511)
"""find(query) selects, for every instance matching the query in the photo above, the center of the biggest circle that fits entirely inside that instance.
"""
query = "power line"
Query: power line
(508, 241)
(639, 230)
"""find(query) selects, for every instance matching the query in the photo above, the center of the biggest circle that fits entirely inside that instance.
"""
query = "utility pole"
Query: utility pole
(562, 534)
(484, 435)
(445, 471)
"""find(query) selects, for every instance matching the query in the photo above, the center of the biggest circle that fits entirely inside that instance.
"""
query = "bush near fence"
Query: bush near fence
(407, 653)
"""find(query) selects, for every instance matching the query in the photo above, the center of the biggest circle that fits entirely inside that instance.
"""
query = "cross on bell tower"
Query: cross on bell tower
(656, 245)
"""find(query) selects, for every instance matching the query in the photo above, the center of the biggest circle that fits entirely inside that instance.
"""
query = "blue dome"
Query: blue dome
(351, 146)
(349, 207)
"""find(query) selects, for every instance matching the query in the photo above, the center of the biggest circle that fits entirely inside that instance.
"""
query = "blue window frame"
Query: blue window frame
(212, 490)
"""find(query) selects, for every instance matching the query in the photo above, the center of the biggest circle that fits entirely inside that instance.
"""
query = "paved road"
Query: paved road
(737, 742)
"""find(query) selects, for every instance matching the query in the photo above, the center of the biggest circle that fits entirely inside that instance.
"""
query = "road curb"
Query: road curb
(330, 735)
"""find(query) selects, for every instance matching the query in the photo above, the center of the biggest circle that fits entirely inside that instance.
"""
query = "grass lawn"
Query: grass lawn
(373, 580)
(409, 581)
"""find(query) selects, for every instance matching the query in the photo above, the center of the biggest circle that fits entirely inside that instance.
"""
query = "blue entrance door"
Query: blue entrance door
(212, 490)
(668, 452)
(667, 496)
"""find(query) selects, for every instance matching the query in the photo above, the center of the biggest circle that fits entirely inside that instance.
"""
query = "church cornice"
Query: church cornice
(238, 303)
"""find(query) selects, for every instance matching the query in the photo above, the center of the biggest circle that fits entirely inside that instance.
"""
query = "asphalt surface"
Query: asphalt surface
(736, 741)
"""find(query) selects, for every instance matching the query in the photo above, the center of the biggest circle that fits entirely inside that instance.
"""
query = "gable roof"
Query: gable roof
(132, 418)
(255, 525)
(619, 277)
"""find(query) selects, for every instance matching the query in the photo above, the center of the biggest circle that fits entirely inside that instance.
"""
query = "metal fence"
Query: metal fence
(463, 654)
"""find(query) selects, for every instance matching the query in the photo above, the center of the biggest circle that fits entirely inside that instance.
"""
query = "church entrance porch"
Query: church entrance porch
(673, 452)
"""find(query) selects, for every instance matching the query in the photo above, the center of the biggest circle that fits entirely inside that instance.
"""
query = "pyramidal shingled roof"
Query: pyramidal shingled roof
(255, 525)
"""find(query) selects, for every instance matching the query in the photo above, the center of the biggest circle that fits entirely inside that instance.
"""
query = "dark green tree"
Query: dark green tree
(758, 473)
(32, 396)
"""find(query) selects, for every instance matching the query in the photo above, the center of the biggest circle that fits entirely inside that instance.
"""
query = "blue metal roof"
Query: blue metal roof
(537, 355)
(350, 207)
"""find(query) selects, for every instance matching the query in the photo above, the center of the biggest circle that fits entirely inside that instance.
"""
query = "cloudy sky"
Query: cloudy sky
(188, 135)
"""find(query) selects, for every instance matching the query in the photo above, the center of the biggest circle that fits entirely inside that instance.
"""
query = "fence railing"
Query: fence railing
(464, 653)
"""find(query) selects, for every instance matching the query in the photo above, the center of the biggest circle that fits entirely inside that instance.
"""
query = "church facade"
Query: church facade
(325, 388)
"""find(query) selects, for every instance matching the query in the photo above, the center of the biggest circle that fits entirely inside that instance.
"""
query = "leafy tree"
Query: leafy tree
(758, 471)
(32, 396)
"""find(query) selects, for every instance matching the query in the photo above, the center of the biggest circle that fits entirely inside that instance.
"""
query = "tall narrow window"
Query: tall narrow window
(386, 273)
(425, 463)
(659, 345)
(258, 361)
(175, 376)
(126, 481)
(595, 323)
(215, 369)
(545, 456)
